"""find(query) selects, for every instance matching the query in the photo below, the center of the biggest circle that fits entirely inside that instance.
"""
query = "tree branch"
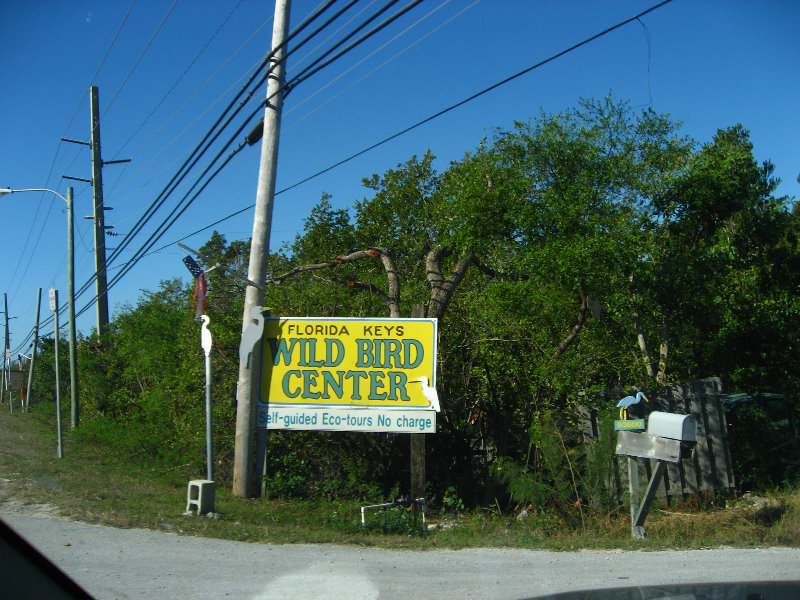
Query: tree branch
(664, 350)
(442, 289)
(637, 323)
(391, 297)
(352, 257)
(579, 325)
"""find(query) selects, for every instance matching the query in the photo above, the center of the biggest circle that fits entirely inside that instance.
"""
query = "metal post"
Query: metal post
(54, 308)
(209, 423)
(6, 391)
(245, 482)
(32, 364)
(206, 342)
(73, 350)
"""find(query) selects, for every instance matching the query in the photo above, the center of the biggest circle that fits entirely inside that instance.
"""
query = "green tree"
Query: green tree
(703, 280)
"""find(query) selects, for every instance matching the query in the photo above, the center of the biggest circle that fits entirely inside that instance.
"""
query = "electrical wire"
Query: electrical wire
(478, 94)
(163, 227)
(111, 45)
(189, 101)
(428, 119)
(205, 143)
(190, 163)
(52, 166)
(408, 47)
(406, 130)
(181, 76)
(141, 56)
(177, 179)
(185, 200)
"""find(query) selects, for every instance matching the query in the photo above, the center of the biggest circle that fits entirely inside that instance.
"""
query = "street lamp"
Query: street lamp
(73, 356)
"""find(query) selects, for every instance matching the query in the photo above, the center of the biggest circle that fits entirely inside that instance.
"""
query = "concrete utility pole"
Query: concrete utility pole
(99, 218)
(73, 349)
(245, 483)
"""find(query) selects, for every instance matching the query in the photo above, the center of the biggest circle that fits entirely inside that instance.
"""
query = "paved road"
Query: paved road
(133, 563)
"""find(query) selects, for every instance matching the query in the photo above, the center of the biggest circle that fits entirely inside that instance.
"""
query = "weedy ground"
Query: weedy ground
(93, 485)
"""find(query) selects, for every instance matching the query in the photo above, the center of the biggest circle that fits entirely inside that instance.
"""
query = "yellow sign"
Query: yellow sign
(629, 425)
(354, 363)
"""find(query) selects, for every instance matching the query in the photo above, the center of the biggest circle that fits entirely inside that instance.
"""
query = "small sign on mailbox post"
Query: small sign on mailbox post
(629, 425)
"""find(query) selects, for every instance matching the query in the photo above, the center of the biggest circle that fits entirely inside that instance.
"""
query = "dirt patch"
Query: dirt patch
(17, 507)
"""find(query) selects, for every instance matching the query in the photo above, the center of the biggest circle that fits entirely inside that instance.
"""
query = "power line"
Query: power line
(178, 177)
(164, 226)
(309, 71)
(430, 118)
(196, 93)
(141, 55)
(206, 142)
(194, 157)
(152, 240)
(405, 49)
(478, 94)
(181, 76)
(55, 157)
(110, 46)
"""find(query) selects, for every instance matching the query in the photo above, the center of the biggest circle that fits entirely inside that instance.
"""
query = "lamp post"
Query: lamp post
(73, 356)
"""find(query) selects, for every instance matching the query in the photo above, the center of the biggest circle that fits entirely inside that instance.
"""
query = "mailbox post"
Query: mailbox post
(669, 438)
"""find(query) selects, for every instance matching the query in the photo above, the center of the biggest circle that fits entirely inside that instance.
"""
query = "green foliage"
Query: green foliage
(535, 250)
(765, 435)
(451, 503)
(396, 520)
(308, 465)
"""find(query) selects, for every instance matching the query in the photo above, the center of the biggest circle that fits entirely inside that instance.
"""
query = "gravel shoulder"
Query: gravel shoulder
(133, 563)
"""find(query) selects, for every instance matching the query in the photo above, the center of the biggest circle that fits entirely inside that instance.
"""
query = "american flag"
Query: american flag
(199, 298)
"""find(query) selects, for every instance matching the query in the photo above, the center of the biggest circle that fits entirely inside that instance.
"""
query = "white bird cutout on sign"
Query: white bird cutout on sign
(205, 335)
(430, 393)
(251, 334)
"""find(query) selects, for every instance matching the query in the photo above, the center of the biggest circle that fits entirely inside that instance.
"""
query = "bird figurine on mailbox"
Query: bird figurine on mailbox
(628, 401)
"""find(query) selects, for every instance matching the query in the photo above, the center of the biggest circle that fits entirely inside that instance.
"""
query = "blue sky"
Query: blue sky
(175, 64)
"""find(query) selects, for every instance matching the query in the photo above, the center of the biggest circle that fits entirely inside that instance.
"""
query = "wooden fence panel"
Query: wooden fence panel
(710, 467)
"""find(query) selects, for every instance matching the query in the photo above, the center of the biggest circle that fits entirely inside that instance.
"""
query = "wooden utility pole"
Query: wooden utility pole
(99, 218)
(32, 362)
(98, 215)
(245, 481)
(417, 443)
(6, 374)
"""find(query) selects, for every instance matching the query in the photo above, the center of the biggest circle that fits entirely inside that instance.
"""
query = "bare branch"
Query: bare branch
(637, 323)
(442, 289)
(391, 297)
(579, 325)
(352, 257)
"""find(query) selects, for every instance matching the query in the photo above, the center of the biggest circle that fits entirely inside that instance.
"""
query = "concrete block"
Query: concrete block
(201, 496)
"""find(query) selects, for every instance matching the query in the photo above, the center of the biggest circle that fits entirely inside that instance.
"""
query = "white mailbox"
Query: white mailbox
(675, 427)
